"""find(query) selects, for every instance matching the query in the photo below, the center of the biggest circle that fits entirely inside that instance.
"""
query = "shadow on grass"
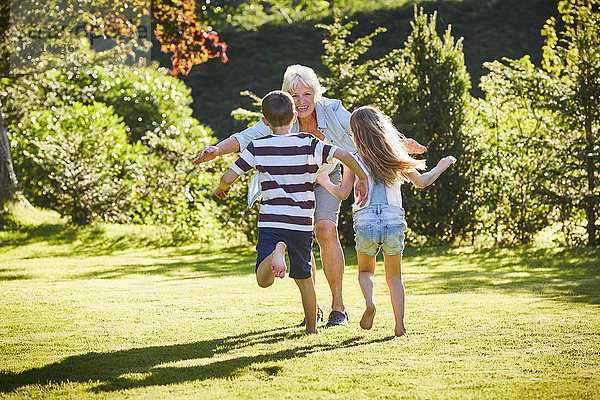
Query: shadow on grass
(92, 240)
(223, 262)
(569, 274)
(149, 366)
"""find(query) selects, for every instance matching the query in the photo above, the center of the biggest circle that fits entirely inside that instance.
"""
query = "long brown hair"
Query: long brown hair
(381, 146)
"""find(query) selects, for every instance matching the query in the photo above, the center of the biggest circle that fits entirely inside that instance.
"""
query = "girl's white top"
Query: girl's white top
(394, 195)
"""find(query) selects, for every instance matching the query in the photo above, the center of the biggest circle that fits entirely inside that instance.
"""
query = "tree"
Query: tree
(432, 106)
(8, 180)
(572, 60)
(178, 28)
(423, 87)
(568, 86)
(515, 148)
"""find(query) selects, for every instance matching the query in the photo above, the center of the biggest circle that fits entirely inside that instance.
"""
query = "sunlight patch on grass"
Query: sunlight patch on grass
(190, 322)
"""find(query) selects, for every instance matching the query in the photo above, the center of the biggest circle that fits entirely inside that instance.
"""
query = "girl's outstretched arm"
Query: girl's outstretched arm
(341, 191)
(361, 188)
(426, 179)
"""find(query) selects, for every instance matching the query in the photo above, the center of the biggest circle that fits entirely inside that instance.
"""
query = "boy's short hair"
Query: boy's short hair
(278, 108)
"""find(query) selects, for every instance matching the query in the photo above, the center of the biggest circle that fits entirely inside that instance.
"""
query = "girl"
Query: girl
(380, 223)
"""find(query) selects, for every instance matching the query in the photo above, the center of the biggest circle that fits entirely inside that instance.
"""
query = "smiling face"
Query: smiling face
(304, 98)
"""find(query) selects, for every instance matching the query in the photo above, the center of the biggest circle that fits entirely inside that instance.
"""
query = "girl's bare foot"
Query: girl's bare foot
(366, 322)
(309, 332)
(400, 332)
(278, 261)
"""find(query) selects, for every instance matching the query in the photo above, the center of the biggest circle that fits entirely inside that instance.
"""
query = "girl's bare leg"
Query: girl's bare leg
(366, 270)
(393, 276)
(314, 274)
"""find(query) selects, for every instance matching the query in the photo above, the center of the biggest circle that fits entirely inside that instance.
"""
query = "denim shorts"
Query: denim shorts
(379, 226)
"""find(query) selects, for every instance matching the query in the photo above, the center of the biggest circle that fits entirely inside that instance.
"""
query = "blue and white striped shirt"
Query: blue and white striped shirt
(287, 166)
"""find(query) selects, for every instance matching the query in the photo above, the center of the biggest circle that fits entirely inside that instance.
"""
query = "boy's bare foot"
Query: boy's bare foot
(311, 332)
(278, 261)
(366, 322)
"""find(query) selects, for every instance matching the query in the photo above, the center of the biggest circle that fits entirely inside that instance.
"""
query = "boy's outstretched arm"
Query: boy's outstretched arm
(226, 180)
(361, 190)
(426, 179)
(341, 191)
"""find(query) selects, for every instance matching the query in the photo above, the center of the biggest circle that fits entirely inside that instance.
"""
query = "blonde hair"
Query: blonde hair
(296, 74)
(381, 146)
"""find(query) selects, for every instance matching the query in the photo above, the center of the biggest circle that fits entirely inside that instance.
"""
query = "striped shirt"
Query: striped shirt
(287, 166)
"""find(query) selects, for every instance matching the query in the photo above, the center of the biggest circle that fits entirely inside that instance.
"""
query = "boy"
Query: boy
(287, 164)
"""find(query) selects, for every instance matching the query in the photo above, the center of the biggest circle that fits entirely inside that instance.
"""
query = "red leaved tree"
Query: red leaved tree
(178, 29)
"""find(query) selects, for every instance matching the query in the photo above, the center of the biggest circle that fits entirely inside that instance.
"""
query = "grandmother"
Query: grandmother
(329, 121)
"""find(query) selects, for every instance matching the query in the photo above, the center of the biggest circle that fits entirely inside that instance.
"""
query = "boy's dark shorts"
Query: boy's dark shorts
(299, 249)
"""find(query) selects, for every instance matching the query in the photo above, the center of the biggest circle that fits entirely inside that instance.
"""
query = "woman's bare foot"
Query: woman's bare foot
(278, 261)
(366, 322)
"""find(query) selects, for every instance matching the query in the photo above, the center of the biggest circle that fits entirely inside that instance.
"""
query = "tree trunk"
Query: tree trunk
(8, 179)
(591, 173)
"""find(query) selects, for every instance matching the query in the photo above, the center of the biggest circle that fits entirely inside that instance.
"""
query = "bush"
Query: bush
(154, 141)
(424, 89)
(82, 160)
(233, 211)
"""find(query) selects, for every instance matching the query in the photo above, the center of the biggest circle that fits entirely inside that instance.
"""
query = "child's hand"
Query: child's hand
(414, 147)
(323, 179)
(221, 193)
(446, 162)
(207, 154)
(361, 192)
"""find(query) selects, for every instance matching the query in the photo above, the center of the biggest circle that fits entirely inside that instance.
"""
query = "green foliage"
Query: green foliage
(83, 161)
(432, 107)
(567, 88)
(251, 13)
(152, 119)
(424, 88)
(516, 149)
(492, 30)
(251, 117)
(170, 190)
(369, 82)
(233, 211)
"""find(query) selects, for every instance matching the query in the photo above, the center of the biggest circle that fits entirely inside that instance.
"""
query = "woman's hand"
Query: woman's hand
(414, 147)
(207, 154)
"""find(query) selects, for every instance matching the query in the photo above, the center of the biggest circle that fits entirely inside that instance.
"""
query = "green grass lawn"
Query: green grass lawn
(102, 313)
